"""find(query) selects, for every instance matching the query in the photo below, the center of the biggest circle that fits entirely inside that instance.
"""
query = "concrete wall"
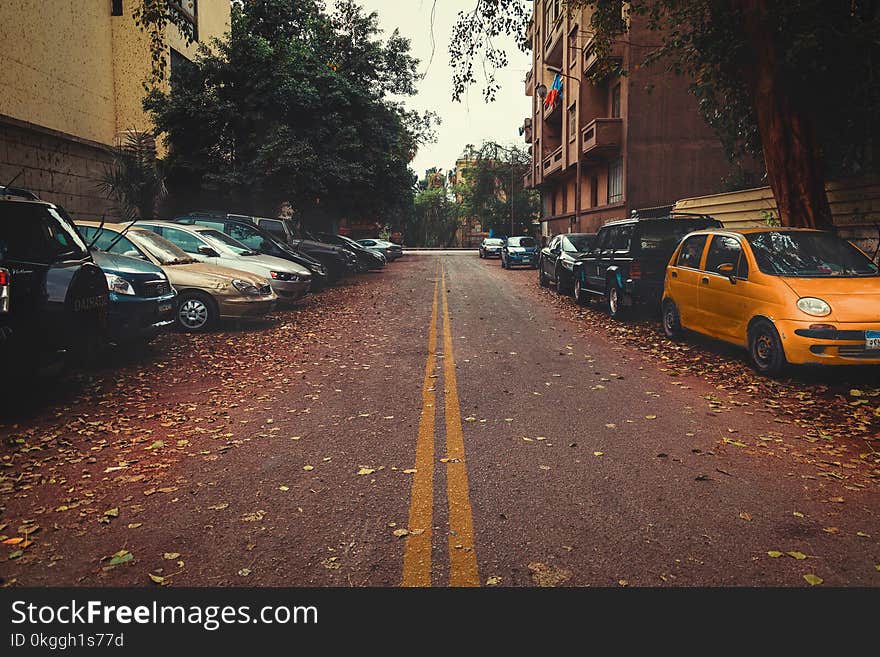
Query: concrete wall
(73, 80)
(58, 168)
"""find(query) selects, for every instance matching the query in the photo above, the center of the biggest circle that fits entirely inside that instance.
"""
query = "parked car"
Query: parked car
(260, 241)
(338, 261)
(518, 251)
(788, 295)
(367, 259)
(627, 262)
(556, 260)
(490, 247)
(289, 280)
(205, 293)
(53, 297)
(142, 301)
(390, 250)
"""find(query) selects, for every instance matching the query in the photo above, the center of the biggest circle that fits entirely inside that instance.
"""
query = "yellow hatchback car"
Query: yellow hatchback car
(788, 295)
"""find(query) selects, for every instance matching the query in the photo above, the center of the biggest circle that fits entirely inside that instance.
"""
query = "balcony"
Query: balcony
(553, 162)
(527, 130)
(602, 138)
(553, 114)
(553, 44)
(592, 61)
(528, 180)
(530, 88)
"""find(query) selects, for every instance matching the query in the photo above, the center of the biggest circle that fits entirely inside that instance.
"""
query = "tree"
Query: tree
(294, 107)
(794, 82)
(433, 219)
(489, 177)
(133, 179)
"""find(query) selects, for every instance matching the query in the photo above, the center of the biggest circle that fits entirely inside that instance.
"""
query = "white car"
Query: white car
(390, 250)
(289, 280)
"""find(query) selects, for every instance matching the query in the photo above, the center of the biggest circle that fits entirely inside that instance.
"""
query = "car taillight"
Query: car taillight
(635, 270)
(4, 290)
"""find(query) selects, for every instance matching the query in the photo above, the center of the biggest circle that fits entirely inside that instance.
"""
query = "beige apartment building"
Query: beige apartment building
(638, 141)
(73, 83)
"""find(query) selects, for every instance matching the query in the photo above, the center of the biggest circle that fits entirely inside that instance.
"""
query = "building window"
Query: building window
(572, 121)
(615, 101)
(615, 181)
(573, 50)
(594, 191)
(116, 8)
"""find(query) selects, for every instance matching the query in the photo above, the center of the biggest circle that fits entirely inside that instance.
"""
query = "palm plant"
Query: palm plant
(133, 180)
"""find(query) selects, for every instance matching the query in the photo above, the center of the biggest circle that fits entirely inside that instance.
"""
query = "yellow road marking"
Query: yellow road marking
(462, 557)
(417, 552)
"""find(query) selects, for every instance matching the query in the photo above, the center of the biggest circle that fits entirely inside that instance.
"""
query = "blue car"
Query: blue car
(519, 252)
(142, 301)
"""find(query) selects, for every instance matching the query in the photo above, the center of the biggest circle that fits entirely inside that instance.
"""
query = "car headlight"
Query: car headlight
(119, 285)
(813, 306)
(244, 287)
(283, 276)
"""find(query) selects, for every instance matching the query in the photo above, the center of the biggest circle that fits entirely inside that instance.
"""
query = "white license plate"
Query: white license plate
(165, 307)
(872, 340)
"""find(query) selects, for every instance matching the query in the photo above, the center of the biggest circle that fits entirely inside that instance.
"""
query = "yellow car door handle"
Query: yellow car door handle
(705, 280)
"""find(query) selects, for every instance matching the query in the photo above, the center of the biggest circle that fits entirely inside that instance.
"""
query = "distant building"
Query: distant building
(72, 85)
(638, 148)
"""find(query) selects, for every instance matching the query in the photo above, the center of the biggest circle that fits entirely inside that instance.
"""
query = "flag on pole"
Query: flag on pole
(554, 94)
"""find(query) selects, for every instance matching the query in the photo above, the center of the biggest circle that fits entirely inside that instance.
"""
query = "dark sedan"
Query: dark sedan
(556, 261)
(367, 259)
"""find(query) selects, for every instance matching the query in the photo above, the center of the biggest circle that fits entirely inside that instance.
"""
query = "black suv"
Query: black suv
(260, 241)
(53, 297)
(556, 260)
(627, 263)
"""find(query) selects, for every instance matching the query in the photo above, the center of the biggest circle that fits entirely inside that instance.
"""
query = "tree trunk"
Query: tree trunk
(791, 154)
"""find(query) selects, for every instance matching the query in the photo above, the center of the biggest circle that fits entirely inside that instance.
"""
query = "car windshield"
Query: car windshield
(38, 233)
(160, 248)
(579, 242)
(808, 254)
(521, 241)
(493, 242)
(225, 241)
(662, 236)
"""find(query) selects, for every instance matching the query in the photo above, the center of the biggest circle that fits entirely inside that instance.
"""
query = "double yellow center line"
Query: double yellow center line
(417, 552)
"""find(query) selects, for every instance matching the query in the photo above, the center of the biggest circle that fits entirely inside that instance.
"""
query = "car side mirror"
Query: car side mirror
(727, 269)
(206, 250)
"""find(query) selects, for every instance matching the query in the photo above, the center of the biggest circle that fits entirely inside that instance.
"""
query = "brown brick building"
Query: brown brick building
(640, 139)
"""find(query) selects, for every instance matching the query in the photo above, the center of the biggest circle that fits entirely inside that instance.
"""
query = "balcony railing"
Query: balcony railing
(602, 138)
(592, 60)
(553, 162)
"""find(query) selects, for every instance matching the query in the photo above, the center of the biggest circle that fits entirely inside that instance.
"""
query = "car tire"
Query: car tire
(481, 255)
(614, 300)
(765, 348)
(196, 312)
(542, 277)
(580, 294)
(671, 320)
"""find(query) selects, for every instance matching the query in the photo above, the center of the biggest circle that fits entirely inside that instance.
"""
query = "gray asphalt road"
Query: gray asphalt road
(349, 443)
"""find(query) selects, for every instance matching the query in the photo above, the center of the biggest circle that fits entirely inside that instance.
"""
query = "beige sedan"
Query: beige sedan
(205, 293)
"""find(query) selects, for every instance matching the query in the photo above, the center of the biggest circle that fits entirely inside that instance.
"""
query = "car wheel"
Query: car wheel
(196, 312)
(481, 254)
(580, 294)
(765, 348)
(671, 320)
(503, 265)
(614, 300)
(542, 277)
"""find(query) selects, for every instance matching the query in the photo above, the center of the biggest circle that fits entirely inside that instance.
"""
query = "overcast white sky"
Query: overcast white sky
(471, 121)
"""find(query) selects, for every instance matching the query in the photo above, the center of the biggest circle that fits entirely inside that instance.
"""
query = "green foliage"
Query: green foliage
(294, 106)
(133, 179)
(488, 177)
(434, 219)
(154, 17)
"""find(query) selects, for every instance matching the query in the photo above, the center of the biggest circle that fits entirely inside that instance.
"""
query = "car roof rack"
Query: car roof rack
(19, 192)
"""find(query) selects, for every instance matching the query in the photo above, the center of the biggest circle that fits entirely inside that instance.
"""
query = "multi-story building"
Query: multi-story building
(470, 229)
(73, 84)
(623, 143)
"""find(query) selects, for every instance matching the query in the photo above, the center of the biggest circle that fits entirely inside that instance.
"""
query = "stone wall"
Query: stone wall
(59, 168)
